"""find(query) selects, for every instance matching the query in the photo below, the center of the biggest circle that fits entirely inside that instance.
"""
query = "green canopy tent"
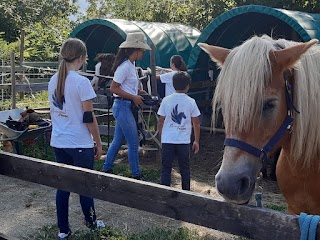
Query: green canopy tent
(237, 25)
(105, 36)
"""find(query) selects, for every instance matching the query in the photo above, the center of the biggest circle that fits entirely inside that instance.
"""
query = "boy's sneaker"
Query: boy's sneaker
(97, 225)
(63, 236)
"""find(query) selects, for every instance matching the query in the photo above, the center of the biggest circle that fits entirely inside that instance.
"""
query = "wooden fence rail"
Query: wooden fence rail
(246, 221)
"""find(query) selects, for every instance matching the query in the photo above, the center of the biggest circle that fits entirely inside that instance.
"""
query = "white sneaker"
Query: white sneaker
(100, 224)
(62, 236)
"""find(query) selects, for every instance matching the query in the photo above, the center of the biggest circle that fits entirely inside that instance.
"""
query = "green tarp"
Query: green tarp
(237, 25)
(105, 35)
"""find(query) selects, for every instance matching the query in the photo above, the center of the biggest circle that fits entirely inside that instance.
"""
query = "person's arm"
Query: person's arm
(115, 88)
(196, 131)
(160, 125)
(163, 69)
(93, 128)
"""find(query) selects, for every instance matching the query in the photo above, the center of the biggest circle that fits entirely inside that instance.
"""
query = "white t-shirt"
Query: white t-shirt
(68, 130)
(127, 75)
(178, 109)
(167, 79)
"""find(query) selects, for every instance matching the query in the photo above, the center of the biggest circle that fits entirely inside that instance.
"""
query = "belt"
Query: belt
(122, 98)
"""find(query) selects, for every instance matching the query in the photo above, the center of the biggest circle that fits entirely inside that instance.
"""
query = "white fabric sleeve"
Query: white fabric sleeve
(85, 90)
(167, 77)
(161, 110)
(120, 74)
(195, 110)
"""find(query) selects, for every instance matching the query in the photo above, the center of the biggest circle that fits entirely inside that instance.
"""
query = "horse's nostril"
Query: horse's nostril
(243, 185)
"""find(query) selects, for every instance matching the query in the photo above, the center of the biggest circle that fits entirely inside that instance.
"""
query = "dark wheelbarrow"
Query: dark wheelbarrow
(15, 137)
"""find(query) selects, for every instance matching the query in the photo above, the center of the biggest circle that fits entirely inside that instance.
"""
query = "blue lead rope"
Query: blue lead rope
(308, 226)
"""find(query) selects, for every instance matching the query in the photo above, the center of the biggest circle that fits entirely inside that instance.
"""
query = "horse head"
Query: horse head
(254, 94)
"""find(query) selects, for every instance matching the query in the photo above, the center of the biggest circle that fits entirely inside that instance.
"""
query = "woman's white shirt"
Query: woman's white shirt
(126, 75)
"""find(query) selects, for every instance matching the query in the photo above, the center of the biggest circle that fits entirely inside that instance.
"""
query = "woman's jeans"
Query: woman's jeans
(182, 152)
(80, 157)
(125, 129)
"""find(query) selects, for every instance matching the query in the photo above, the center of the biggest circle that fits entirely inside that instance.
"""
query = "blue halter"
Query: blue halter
(286, 125)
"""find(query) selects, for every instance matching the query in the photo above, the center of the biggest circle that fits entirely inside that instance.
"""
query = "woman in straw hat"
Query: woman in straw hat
(125, 90)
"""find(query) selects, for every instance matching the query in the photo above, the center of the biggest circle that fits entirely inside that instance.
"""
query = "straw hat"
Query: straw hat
(135, 40)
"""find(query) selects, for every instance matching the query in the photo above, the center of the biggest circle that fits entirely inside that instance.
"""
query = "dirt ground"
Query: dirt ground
(26, 207)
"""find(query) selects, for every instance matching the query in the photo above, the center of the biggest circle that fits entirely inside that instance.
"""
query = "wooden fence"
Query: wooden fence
(246, 221)
(39, 82)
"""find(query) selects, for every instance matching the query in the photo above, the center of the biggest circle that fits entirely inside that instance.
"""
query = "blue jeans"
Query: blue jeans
(80, 157)
(182, 152)
(125, 129)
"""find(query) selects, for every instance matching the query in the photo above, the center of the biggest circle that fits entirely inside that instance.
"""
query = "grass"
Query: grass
(35, 100)
(50, 233)
(276, 207)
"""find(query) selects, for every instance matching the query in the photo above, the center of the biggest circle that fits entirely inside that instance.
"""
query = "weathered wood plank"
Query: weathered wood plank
(7, 69)
(5, 86)
(41, 64)
(34, 87)
(187, 206)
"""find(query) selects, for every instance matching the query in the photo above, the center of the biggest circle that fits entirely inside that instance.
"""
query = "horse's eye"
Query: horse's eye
(269, 105)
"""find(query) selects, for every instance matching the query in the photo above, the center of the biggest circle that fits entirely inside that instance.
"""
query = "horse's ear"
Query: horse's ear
(289, 56)
(217, 54)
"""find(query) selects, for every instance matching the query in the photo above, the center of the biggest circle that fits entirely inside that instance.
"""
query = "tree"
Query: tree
(195, 13)
(46, 24)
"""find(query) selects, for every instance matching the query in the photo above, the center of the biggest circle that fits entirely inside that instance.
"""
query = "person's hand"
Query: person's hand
(97, 152)
(195, 147)
(137, 99)
(147, 71)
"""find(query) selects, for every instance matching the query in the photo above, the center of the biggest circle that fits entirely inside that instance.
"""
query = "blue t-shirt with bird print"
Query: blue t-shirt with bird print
(178, 109)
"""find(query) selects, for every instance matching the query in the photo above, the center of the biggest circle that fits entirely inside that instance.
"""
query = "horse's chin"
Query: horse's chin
(243, 199)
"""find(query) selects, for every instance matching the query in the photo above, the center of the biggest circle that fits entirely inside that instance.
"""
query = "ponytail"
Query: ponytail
(178, 62)
(62, 75)
(70, 51)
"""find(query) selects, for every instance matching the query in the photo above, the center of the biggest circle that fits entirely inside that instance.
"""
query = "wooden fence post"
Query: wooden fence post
(2, 79)
(154, 91)
(13, 81)
(21, 94)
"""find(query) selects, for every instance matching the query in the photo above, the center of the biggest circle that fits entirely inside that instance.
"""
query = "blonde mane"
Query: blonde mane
(244, 76)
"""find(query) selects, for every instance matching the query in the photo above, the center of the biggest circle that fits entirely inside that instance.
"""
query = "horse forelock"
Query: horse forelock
(244, 75)
(240, 89)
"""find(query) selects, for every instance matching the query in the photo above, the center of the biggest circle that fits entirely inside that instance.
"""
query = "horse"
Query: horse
(269, 93)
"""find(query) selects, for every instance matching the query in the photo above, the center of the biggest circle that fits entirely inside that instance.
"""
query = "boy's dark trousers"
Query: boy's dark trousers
(169, 153)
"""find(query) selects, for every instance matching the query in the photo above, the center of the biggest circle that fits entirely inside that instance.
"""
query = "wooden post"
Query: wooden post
(13, 81)
(21, 94)
(22, 47)
(2, 79)
(154, 91)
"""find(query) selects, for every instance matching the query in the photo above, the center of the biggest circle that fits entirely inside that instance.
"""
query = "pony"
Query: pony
(269, 93)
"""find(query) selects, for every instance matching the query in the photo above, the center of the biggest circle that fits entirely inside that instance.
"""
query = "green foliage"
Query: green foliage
(312, 6)
(276, 207)
(195, 13)
(46, 24)
(50, 233)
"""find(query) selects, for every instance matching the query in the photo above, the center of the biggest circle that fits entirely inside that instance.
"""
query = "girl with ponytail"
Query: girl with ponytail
(74, 127)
